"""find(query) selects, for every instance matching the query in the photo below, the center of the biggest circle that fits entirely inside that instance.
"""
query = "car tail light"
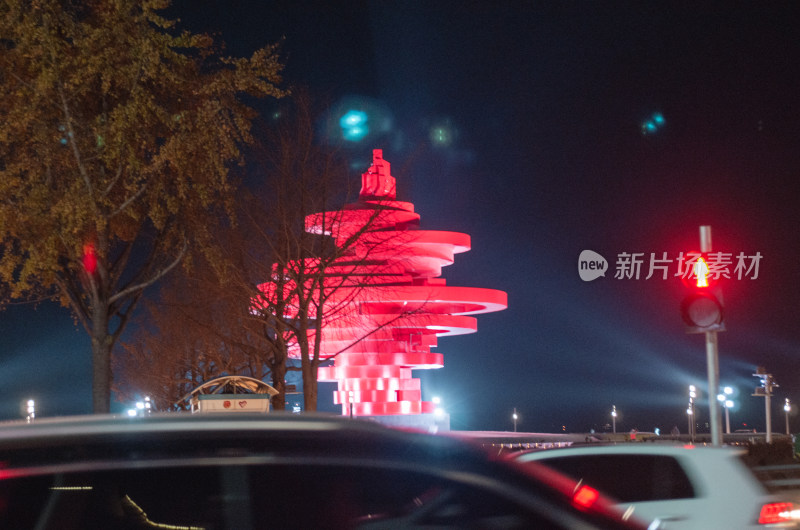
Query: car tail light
(585, 497)
(776, 512)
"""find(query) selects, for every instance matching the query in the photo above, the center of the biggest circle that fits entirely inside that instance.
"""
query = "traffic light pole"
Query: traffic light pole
(712, 360)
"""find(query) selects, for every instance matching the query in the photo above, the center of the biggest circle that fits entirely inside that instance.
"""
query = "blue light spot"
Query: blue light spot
(356, 133)
(654, 124)
(353, 118)
(440, 136)
(354, 125)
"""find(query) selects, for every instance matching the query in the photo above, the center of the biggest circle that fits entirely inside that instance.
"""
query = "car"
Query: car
(683, 486)
(216, 471)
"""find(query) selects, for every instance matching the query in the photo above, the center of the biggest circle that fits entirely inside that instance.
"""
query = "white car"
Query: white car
(683, 486)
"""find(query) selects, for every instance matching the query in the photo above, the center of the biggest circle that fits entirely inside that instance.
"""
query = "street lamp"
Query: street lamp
(515, 417)
(438, 411)
(727, 404)
(31, 410)
(786, 408)
(614, 418)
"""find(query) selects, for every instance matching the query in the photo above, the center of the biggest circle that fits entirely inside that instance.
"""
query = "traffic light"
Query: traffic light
(702, 308)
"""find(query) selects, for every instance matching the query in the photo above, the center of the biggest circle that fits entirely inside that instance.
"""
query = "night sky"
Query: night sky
(543, 108)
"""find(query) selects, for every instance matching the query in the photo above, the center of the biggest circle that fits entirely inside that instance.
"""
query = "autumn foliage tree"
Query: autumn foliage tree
(197, 328)
(261, 308)
(118, 136)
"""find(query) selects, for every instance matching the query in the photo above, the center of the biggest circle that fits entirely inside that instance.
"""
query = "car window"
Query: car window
(242, 497)
(628, 478)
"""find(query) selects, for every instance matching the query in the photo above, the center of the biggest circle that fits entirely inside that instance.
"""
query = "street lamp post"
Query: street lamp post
(726, 404)
(768, 384)
(786, 408)
(614, 419)
(690, 411)
(515, 417)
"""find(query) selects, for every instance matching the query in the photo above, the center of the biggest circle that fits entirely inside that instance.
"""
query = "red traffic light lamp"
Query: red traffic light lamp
(702, 309)
(701, 272)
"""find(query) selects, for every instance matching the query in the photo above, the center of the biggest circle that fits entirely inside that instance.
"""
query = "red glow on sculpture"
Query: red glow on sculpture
(393, 305)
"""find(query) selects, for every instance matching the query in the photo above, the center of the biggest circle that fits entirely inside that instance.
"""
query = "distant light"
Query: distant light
(438, 412)
(89, 258)
(728, 403)
(441, 135)
(728, 390)
(354, 125)
(356, 133)
(436, 400)
(653, 124)
(353, 118)
(31, 411)
(132, 412)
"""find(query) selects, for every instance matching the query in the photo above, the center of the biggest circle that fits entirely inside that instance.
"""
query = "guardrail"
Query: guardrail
(779, 478)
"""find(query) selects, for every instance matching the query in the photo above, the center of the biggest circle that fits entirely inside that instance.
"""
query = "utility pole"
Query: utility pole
(765, 390)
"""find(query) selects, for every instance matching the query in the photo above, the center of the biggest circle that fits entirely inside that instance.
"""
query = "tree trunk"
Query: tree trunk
(278, 370)
(101, 361)
(309, 386)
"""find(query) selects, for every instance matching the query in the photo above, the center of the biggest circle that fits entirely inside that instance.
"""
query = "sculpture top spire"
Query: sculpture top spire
(377, 182)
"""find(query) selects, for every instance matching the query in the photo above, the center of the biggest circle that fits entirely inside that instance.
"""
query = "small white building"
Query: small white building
(231, 394)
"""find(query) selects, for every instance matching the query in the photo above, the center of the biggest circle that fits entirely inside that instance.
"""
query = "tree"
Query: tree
(118, 136)
(280, 263)
(263, 301)
(197, 329)
(317, 255)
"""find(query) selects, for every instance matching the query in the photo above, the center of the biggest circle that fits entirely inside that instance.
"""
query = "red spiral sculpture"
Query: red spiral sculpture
(390, 304)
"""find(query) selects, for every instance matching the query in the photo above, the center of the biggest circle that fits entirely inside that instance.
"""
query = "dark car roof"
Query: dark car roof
(81, 440)
(103, 443)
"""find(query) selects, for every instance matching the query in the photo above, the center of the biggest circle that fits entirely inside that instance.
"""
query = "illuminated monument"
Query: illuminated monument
(394, 306)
